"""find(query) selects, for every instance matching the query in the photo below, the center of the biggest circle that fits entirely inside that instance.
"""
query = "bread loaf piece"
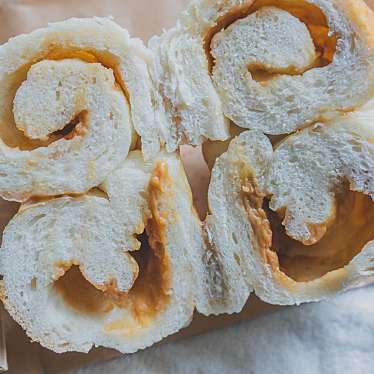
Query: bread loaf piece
(298, 221)
(75, 97)
(275, 66)
(120, 267)
(128, 262)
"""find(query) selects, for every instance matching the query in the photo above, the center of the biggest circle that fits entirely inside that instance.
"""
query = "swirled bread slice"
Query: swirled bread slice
(296, 222)
(75, 96)
(120, 267)
(271, 65)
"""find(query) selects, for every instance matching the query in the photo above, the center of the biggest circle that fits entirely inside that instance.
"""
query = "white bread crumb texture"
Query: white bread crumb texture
(122, 263)
(81, 95)
(300, 71)
(76, 98)
(107, 239)
(270, 66)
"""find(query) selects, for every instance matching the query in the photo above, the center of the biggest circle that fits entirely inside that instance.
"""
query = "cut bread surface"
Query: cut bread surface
(119, 267)
(107, 241)
(289, 216)
(75, 97)
(271, 65)
(299, 217)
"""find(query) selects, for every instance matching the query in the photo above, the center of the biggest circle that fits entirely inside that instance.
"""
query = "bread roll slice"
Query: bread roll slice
(186, 99)
(74, 97)
(120, 267)
(297, 223)
(271, 65)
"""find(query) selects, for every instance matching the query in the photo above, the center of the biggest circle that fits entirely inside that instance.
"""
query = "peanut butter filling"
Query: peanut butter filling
(351, 230)
(81, 295)
(345, 237)
(150, 293)
(15, 138)
(313, 17)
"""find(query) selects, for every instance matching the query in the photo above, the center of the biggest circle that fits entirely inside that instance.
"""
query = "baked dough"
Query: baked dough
(271, 65)
(107, 249)
(296, 223)
(119, 267)
(74, 98)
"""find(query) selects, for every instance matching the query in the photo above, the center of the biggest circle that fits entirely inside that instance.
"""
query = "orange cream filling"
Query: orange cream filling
(351, 229)
(150, 293)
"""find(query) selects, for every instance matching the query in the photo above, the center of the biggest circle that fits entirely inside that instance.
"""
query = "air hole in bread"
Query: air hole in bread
(36, 219)
(351, 230)
(76, 127)
(324, 41)
(148, 296)
(33, 283)
(15, 138)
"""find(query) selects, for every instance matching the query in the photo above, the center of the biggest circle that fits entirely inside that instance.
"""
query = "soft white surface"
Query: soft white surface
(328, 337)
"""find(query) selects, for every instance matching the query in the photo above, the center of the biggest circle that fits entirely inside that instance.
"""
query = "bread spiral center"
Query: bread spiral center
(145, 297)
(64, 110)
(56, 93)
(269, 41)
(303, 209)
(336, 242)
(148, 288)
(276, 21)
(277, 66)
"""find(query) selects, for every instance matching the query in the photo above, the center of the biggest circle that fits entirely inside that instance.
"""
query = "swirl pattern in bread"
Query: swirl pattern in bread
(74, 97)
(270, 65)
(118, 267)
(298, 222)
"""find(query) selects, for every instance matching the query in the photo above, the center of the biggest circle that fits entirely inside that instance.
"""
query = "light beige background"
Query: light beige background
(143, 18)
